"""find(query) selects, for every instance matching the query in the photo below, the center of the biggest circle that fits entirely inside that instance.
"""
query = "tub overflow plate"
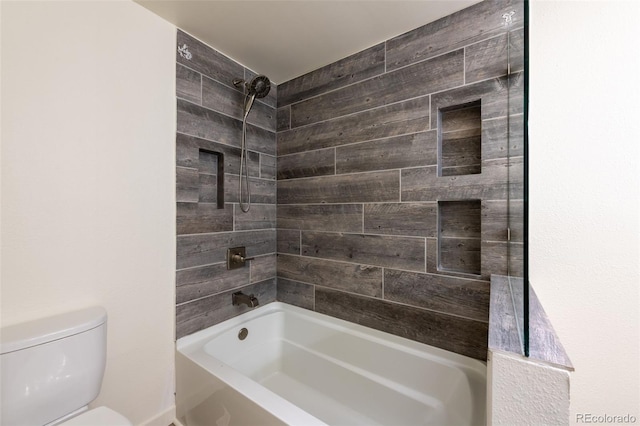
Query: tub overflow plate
(242, 334)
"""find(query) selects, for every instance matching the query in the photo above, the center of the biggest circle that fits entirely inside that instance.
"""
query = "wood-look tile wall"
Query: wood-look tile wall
(210, 118)
(359, 179)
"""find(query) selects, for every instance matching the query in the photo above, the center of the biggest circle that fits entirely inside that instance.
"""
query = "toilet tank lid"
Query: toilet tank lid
(25, 335)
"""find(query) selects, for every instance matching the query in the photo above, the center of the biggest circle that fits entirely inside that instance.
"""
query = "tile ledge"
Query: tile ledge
(505, 325)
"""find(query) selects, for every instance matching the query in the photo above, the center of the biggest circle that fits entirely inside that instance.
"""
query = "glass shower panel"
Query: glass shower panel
(516, 22)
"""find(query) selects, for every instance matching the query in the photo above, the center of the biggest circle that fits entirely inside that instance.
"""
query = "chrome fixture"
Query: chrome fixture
(237, 257)
(238, 298)
(243, 333)
(258, 87)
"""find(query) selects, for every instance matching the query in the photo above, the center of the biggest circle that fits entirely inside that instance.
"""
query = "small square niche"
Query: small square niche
(459, 236)
(459, 136)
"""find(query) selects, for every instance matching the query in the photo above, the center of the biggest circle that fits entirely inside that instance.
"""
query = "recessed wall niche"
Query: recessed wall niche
(211, 177)
(459, 231)
(459, 136)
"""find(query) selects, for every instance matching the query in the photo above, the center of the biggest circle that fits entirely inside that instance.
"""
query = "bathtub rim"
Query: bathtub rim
(189, 342)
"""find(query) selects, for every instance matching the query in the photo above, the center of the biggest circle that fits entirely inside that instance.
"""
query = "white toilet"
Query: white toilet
(52, 368)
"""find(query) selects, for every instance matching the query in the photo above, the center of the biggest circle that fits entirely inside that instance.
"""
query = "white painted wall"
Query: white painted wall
(525, 392)
(88, 165)
(585, 190)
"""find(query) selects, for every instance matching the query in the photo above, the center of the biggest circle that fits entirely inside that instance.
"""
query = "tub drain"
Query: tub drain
(243, 334)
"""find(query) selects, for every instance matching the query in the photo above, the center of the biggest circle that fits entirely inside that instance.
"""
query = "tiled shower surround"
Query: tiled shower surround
(394, 170)
(210, 112)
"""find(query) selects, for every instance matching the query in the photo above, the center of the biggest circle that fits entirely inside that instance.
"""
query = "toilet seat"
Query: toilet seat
(100, 416)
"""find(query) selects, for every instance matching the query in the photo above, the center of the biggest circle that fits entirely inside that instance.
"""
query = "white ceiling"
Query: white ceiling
(285, 39)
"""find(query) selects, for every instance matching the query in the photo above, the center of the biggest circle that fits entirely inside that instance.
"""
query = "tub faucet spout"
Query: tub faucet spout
(238, 298)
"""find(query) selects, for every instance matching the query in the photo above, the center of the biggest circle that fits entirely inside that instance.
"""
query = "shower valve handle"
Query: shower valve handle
(237, 257)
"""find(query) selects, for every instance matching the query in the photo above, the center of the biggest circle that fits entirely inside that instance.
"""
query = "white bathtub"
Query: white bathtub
(298, 367)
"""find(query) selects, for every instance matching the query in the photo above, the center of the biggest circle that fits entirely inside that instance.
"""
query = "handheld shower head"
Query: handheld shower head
(258, 87)
(248, 104)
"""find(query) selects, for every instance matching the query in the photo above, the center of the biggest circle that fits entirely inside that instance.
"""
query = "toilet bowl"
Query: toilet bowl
(52, 368)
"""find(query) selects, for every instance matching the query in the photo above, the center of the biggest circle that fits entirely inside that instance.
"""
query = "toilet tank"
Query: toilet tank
(52, 366)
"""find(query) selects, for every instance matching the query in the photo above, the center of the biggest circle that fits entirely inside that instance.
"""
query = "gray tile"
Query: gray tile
(493, 96)
(208, 188)
(393, 252)
(295, 293)
(461, 117)
(417, 219)
(306, 164)
(263, 116)
(259, 216)
(208, 61)
(490, 58)
(288, 241)
(267, 166)
(203, 313)
(480, 21)
(497, 216)
(355, 188)
(486, 59)
(263, 191)
(497, 142)
(321, 217)
(411, 116)
(187, 185)
(433, 265)
(544, 343)
(354, 278)
(188, 154)
(462, 149)
(198, 218)
(263, 268)
(420, 149)
(260, 140)
(222, 98)
(461, 170)
(207, 124)
(424, 184)
(460, 224)
(460, 255)
(464, 336)
(283, 118)
(516, 220)
(421, 79)
(495, 220)
(460, 140)
(516, 259)
(503, 323)
(349, 70)
(516, 46)
(196, 283)
(188, 84)
(460, 218)
(495, 258)
(456, 296)
(205, 249)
